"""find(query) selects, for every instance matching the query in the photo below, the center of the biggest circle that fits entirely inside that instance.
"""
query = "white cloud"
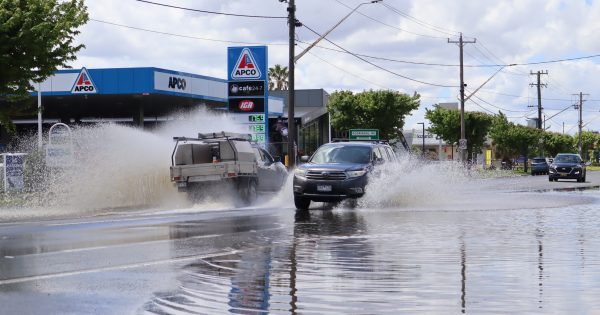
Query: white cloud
(511, 31)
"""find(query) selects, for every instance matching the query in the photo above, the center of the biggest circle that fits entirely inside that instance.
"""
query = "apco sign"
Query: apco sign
(247, 105)
(247, 63)
(177, 83)
(246, 67)
(83, 84)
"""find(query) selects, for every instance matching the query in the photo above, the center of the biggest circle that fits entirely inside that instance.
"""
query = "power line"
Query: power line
(377, 66)
(213, 12)
(498, 107)
(419, 22)
(183, 36)
(388, 25)
(385, 59)
(489, 111)
(347, 72)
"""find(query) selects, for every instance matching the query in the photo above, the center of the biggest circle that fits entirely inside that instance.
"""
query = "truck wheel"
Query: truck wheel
(301, 203)
(247, 190)
(193, 192)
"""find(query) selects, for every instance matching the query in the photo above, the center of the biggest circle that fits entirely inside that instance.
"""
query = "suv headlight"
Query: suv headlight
(300, 172)
(358, 173)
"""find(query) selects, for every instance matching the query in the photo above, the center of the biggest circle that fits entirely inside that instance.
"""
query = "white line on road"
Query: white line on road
(112, 268)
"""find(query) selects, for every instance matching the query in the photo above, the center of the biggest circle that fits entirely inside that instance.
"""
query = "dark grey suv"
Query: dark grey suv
(338, 171)
(567, 166)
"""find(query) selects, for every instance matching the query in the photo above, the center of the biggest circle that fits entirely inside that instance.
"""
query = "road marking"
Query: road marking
(112, 268)
(75, 250)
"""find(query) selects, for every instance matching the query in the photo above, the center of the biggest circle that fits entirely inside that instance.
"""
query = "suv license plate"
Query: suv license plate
(324, 188)
(181, 184)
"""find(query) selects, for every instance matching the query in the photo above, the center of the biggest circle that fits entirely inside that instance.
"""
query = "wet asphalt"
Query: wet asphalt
(526, 245)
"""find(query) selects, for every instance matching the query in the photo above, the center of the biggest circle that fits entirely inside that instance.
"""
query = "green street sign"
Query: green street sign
(363, 134)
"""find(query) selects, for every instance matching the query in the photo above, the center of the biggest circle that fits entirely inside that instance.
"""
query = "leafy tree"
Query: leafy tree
(588, 142)
(555, 143)
(445, 123)
(514, 139)
(37, 38)
(278, 78)
(383, 109)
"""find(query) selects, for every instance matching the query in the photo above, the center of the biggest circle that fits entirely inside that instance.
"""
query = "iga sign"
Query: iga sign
(83, 84)
(247, 105)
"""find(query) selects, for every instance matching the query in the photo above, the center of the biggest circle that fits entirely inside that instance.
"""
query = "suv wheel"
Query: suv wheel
(301, 203)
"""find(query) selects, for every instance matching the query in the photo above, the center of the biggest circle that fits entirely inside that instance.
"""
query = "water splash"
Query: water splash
(116, 167)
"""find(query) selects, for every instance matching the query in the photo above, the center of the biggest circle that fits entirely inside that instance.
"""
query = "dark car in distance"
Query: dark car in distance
(539, 165)
(567, 166)
(338, 171)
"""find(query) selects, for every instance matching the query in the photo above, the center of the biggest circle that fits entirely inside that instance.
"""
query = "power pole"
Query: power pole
(463, 141)
(539, 92)
(291, 88)
(580, 107)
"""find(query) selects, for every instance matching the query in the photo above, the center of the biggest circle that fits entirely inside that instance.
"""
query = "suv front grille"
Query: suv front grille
(326, 175)
(563, 169)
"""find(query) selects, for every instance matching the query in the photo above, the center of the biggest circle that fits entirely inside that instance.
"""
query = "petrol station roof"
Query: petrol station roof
(115, 93)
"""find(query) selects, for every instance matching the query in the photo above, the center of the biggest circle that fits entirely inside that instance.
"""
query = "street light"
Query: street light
(292, 23)
(423, 149)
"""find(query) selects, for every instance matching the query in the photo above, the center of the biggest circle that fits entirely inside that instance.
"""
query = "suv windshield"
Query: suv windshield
(342, 154)
(566, 159)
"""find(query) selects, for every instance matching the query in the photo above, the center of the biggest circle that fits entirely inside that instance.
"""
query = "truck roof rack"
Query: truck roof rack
(226, 135)
(217, 135)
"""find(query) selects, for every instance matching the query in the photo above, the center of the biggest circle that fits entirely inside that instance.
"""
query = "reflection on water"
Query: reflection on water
(377, 261)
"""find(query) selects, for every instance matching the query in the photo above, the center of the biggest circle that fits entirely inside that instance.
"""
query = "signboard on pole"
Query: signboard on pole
(247, 92)
(14, 171)
(363, 134)
(462, 144)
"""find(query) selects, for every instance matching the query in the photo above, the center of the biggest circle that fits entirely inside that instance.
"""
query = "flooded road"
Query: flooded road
(483, 251)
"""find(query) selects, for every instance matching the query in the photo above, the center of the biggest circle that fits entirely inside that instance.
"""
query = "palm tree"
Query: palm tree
(278, 78)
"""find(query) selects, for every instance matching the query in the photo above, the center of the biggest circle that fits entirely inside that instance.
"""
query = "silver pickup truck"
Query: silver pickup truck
(224, 158)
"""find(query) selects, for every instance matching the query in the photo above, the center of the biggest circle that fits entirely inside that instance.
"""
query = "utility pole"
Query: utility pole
(580, 107)
(463, 141)
(291, 88)
(539, 92)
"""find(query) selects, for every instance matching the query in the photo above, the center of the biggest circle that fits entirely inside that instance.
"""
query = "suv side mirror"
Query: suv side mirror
(277, 158)
(304, 158)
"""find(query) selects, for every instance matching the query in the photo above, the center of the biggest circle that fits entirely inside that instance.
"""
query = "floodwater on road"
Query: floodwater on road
(498, 257)
(427, 238)
(390, 261)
